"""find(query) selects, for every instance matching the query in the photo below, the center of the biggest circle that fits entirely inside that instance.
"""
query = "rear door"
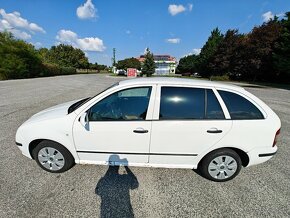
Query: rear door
(188, 121)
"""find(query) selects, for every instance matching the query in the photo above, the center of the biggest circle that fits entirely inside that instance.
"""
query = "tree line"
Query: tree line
(263, 54)
(19, 59)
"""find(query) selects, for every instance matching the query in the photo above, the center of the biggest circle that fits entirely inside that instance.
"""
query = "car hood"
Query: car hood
(52, 112)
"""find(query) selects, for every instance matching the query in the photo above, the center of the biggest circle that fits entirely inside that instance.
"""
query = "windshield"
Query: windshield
(79, 103)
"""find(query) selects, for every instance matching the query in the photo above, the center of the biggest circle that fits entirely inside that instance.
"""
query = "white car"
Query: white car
(156, 122)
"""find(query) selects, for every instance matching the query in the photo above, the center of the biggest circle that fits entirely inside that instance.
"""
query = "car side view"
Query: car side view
(156, 122)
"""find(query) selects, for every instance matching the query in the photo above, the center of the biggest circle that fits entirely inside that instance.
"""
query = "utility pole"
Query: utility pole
(114, 57)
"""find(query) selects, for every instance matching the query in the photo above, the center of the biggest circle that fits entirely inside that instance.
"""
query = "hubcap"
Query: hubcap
(51, 158)
(222, 167)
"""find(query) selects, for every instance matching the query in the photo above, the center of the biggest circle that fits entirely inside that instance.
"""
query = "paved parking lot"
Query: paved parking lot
(91, 191)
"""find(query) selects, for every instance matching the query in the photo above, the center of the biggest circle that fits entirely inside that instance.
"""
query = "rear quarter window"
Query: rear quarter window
(239, 107)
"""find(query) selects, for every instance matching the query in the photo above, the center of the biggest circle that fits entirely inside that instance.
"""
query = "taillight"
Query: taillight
(276, 137)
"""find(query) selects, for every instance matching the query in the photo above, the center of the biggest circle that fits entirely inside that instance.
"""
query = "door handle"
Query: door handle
(140, 130)
(214, 130)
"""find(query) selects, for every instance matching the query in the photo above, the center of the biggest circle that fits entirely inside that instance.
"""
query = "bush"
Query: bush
(220, 78)
(55, 70)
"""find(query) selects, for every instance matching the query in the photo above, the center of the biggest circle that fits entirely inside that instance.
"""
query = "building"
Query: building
(165, 64)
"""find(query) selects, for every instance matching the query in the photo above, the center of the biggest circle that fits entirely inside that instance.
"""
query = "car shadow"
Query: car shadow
(114, 190)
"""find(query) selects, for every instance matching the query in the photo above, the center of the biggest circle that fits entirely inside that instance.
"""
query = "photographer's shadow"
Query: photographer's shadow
(114, 190)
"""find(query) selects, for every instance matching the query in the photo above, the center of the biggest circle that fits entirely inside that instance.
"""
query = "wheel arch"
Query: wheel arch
(242, 154)
(35, 142)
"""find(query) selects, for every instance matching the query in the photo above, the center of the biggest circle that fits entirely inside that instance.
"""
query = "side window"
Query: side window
(239, 107)
(213, 108)
(128, 104)
(182, 103)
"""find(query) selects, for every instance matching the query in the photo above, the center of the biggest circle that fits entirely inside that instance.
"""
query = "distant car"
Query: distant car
(156, 122)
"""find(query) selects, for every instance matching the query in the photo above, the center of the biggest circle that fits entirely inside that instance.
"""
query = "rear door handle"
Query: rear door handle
(214, 130)
(140, 130)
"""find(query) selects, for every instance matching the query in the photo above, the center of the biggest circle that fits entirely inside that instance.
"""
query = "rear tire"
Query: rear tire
(221, 165)
(53, 157)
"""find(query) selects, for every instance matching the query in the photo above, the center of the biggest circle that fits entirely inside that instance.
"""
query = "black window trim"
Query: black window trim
(247, 98)
(119, 90)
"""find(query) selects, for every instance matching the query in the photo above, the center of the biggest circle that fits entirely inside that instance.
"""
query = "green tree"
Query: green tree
(148, 66)
(227, 56)
(208, 52)
(281, 54)
(187, 64)
(18, 59)
(68, 56)
(129, 63)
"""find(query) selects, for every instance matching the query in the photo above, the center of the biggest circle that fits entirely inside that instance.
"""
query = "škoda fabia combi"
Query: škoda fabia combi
(156, 122)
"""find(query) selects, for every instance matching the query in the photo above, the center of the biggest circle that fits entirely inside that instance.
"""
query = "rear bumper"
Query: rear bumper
(268, 154)
(261, 155)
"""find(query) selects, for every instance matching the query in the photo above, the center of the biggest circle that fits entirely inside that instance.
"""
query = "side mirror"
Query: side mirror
(84, 119)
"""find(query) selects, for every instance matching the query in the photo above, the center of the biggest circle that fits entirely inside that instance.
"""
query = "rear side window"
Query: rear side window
(182, 103)
(213, 108)
(239, 107)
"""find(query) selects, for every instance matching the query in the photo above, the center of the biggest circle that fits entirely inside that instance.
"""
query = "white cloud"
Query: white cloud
(5, 26)
(85, 44)
(87, 10)
(16, 21)
(190, 6)
(267, 16)
(196, 51)
(173, 40)
(176, 9)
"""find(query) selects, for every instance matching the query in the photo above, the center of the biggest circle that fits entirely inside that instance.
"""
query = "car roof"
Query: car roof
(177, 81)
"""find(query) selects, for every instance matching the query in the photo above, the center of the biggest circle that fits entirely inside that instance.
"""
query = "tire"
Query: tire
(53, 157)
(221, 165)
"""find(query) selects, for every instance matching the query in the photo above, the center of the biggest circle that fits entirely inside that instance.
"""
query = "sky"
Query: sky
(174, 27)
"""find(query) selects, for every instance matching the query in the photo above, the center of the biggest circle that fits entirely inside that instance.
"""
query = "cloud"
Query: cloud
(87, 10)
(268, 16)
(196, 51)
(16, 21)
(85, 44)
(176, 9)
(190, 6)
(173, 40)
(5, 26)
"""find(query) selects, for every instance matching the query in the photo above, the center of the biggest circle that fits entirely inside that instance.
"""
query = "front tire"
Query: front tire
(53, 157)
(221, 165)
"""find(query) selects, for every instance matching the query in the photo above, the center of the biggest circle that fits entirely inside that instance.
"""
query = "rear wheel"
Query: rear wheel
(52, 157)
(221, 165)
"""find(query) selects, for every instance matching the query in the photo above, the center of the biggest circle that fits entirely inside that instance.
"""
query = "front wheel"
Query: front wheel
(221, 165)
(52, 157)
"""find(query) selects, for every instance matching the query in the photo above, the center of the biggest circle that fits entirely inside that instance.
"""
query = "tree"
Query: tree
(129, 63)
(68, 56)
(227, 56)
(208, 52)
(281, 54)
(148, 66)
(259, 46)
(18, 59)
(187, 64)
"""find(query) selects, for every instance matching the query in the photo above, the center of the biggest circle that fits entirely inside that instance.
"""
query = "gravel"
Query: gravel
(93, 191)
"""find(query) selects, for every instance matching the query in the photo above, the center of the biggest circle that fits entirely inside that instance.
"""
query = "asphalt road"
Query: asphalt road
(91, 191)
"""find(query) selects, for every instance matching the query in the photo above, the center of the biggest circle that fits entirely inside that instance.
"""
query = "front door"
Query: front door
(118, 131)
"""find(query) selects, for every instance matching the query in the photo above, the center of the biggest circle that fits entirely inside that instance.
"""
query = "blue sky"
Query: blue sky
(170, 27)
